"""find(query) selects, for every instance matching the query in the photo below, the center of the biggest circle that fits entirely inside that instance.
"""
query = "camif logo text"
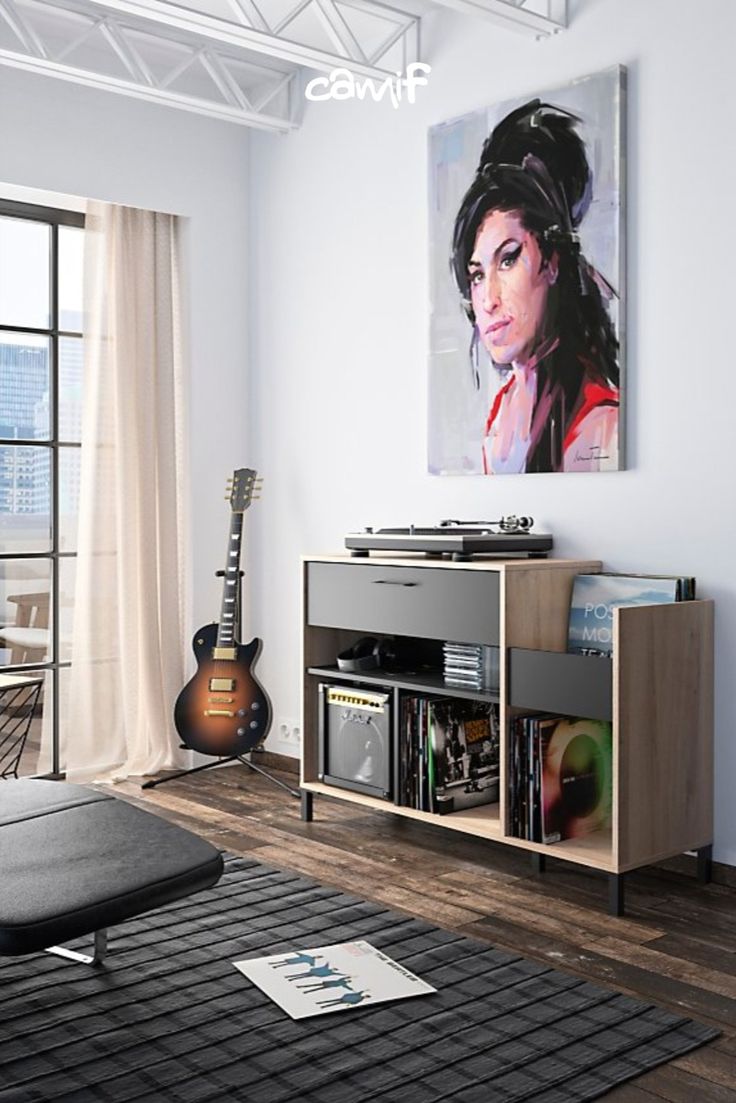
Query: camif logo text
(341, 84)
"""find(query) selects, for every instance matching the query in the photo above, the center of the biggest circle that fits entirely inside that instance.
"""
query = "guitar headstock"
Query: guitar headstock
(242, 488)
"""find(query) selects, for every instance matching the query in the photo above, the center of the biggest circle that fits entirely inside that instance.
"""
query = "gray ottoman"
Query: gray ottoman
(74, 861)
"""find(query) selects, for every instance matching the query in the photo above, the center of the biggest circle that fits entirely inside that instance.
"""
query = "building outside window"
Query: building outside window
(41, 358)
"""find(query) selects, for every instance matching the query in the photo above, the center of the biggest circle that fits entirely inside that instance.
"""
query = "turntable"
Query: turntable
(461, 540)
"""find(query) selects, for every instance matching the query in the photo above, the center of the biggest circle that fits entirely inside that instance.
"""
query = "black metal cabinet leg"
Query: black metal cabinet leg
(539, 862)
(615, 893)
(307, 806)
(705, 864)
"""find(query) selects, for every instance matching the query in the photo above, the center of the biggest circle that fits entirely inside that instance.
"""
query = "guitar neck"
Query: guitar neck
(228, 628)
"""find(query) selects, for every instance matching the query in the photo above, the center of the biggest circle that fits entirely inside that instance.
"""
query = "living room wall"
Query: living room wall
(78, 141)
(339, 308)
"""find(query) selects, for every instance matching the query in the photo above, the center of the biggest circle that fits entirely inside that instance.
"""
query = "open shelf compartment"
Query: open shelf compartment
(429, 683)
(483, 821)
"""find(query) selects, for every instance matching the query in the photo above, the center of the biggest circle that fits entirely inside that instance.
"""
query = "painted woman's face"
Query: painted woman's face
(509, 285)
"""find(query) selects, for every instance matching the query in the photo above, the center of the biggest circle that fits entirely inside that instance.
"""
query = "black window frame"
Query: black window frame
(53, 217)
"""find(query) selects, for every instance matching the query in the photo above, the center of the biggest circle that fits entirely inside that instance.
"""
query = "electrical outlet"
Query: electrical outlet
(289, 731)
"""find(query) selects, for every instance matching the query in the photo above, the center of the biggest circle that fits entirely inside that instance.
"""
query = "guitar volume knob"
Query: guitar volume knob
(241, 731)
(241, 712)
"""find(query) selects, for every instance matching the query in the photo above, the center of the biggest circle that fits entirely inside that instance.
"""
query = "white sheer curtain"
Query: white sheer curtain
(128, 647)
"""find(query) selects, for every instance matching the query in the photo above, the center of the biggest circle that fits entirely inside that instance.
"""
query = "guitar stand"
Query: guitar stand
(230, 758)
(223, 762)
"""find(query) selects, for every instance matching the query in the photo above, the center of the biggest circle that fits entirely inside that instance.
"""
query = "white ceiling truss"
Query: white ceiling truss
(540, 18)
(237, 60)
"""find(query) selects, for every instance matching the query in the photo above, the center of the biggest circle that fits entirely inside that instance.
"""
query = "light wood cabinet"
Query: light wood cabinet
(657, 691)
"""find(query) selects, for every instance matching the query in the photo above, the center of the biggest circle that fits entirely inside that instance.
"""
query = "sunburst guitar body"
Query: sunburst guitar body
(223, 710)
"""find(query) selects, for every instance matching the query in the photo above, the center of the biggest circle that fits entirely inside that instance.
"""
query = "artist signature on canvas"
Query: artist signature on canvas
(595, 452)
(341, 84)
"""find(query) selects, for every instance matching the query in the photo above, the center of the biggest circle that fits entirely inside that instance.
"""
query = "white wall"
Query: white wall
(339, 302)
(63, 138)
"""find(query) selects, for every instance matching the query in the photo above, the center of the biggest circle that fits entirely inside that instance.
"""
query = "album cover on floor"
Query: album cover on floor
(331, 978)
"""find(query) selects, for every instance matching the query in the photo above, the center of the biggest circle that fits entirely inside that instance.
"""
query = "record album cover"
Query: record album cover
(577, 769)
(594, 597)
(465, 754)
(331, 978)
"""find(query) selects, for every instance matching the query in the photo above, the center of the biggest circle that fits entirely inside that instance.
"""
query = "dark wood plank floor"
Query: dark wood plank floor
(676, 945)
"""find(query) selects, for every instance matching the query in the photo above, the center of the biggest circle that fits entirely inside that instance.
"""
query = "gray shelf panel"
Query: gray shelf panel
(420, 683)
(553, 681)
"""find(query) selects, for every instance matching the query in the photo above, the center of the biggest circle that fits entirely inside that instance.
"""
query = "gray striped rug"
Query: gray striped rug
(169, 1018)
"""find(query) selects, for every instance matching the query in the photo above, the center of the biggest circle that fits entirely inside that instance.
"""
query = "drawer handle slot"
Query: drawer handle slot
(392, 582)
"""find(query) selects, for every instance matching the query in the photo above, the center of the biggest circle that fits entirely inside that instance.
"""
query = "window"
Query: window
(41, 352)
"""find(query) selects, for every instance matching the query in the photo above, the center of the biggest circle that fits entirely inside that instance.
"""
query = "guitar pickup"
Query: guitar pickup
(229, 653)
(222, 685)
(218, 712)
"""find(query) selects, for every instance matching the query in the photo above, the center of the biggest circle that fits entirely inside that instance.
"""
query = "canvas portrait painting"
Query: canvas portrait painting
(526, 272)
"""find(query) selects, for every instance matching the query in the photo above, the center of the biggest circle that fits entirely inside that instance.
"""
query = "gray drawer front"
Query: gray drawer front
(408, 601)
(573, 685)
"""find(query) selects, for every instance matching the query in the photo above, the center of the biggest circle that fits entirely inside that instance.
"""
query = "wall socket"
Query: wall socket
(289, 731)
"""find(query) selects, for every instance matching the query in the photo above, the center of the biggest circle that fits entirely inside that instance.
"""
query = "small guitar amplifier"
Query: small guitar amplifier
(355, 739)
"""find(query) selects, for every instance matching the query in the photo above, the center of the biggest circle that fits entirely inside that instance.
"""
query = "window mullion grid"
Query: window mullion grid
(54, 415)
(53, 664)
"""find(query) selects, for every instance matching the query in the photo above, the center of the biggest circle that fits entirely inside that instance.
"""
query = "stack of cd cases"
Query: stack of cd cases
(471, 666)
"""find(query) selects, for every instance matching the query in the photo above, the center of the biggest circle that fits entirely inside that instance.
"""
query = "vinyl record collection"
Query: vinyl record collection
(448, 754)
(560, 777)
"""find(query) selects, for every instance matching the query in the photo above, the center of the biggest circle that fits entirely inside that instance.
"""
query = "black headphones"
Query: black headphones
(366, 654)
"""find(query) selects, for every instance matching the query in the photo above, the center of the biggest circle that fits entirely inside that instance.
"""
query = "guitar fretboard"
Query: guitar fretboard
(230, 613)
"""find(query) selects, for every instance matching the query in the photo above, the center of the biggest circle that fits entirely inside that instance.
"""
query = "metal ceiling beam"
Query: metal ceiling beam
(161, 96)
(514, 15)
(229, 34)
(337, 29)
(222, 49)
(22, 29)
(228, 88)
(214, 46)
(249, 14)
(130, 58)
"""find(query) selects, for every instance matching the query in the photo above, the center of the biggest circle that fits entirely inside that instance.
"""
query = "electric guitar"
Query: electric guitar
(224, 710)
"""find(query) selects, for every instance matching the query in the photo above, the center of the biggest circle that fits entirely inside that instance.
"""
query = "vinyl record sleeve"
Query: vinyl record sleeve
(577, 770)
(331, 978)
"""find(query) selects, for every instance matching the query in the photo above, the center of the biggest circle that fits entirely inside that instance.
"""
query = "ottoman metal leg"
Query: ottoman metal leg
(74, 955)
